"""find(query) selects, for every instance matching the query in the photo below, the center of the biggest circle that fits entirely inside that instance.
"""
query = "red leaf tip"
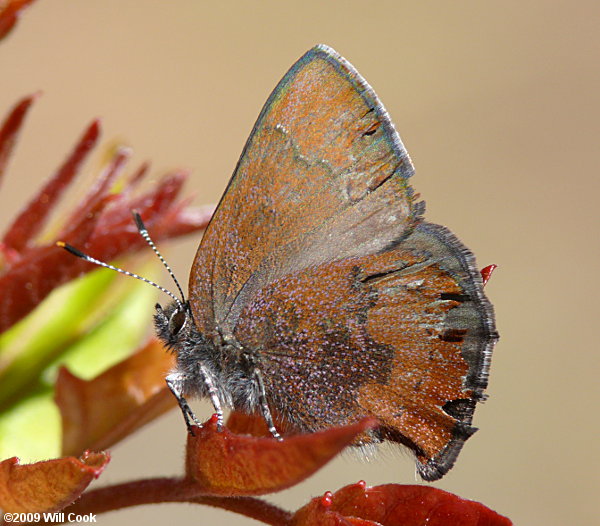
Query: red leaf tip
(327, 499)
(486, 273)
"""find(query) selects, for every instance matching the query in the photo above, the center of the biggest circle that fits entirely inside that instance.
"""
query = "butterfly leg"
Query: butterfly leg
(174, 383)
(264, 406)
(249, 363)
(214, 397)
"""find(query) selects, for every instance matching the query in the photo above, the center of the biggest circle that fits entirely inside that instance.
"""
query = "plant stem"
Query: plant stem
(152, 491)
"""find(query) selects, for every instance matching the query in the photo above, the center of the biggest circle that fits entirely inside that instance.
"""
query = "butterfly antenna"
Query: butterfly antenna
(144, 233)
(90, 259)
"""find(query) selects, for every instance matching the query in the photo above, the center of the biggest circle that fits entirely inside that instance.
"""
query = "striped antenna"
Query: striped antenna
(146, 236)
(144, 233)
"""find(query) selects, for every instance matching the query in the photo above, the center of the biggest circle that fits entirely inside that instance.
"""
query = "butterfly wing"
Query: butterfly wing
(405, 335)
(317, 260)
(322, 176)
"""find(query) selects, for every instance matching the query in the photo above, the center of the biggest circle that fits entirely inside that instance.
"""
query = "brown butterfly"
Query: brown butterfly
(319, 292)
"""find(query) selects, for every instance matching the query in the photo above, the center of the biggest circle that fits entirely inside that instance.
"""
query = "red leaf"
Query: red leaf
(232, 465)
(8, 256)
(180, 221)
(29, 273)
(396, 505)
(117, 235)
(11, 126)
(9, 14)
(168, 190)
(98, 413)
(137, 177)
(27, 282)
(486, 273)
(32, 218)
(49, 485)
(151, 206)
(101, 187)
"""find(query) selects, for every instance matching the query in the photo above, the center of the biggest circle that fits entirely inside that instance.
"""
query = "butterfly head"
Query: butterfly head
(175, 328)
(173, 324)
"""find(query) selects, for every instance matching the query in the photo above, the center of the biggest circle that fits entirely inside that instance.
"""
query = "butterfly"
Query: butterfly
(320, 294)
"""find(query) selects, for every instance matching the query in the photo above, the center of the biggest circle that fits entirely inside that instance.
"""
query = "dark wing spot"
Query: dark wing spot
(461, 409)
(372, 129)
(452, 296)
(453, 335)
(370, 110)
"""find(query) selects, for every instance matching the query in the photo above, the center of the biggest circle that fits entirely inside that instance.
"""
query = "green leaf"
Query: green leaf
(114, 338)
(63, 318)
(88, 325)
(31, 430)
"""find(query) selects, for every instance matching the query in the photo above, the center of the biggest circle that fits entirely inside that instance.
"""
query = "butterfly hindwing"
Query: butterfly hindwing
(404, 335)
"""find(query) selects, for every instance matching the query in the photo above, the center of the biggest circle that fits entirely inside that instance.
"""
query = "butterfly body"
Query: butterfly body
(318, 290)
(202, 363)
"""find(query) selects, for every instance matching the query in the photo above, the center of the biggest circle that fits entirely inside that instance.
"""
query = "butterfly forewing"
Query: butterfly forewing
(322, 146)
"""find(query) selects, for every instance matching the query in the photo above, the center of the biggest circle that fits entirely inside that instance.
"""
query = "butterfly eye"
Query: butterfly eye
(177, 322)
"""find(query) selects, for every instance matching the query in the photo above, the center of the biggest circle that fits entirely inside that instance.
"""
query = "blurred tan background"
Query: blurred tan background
(498, 105)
